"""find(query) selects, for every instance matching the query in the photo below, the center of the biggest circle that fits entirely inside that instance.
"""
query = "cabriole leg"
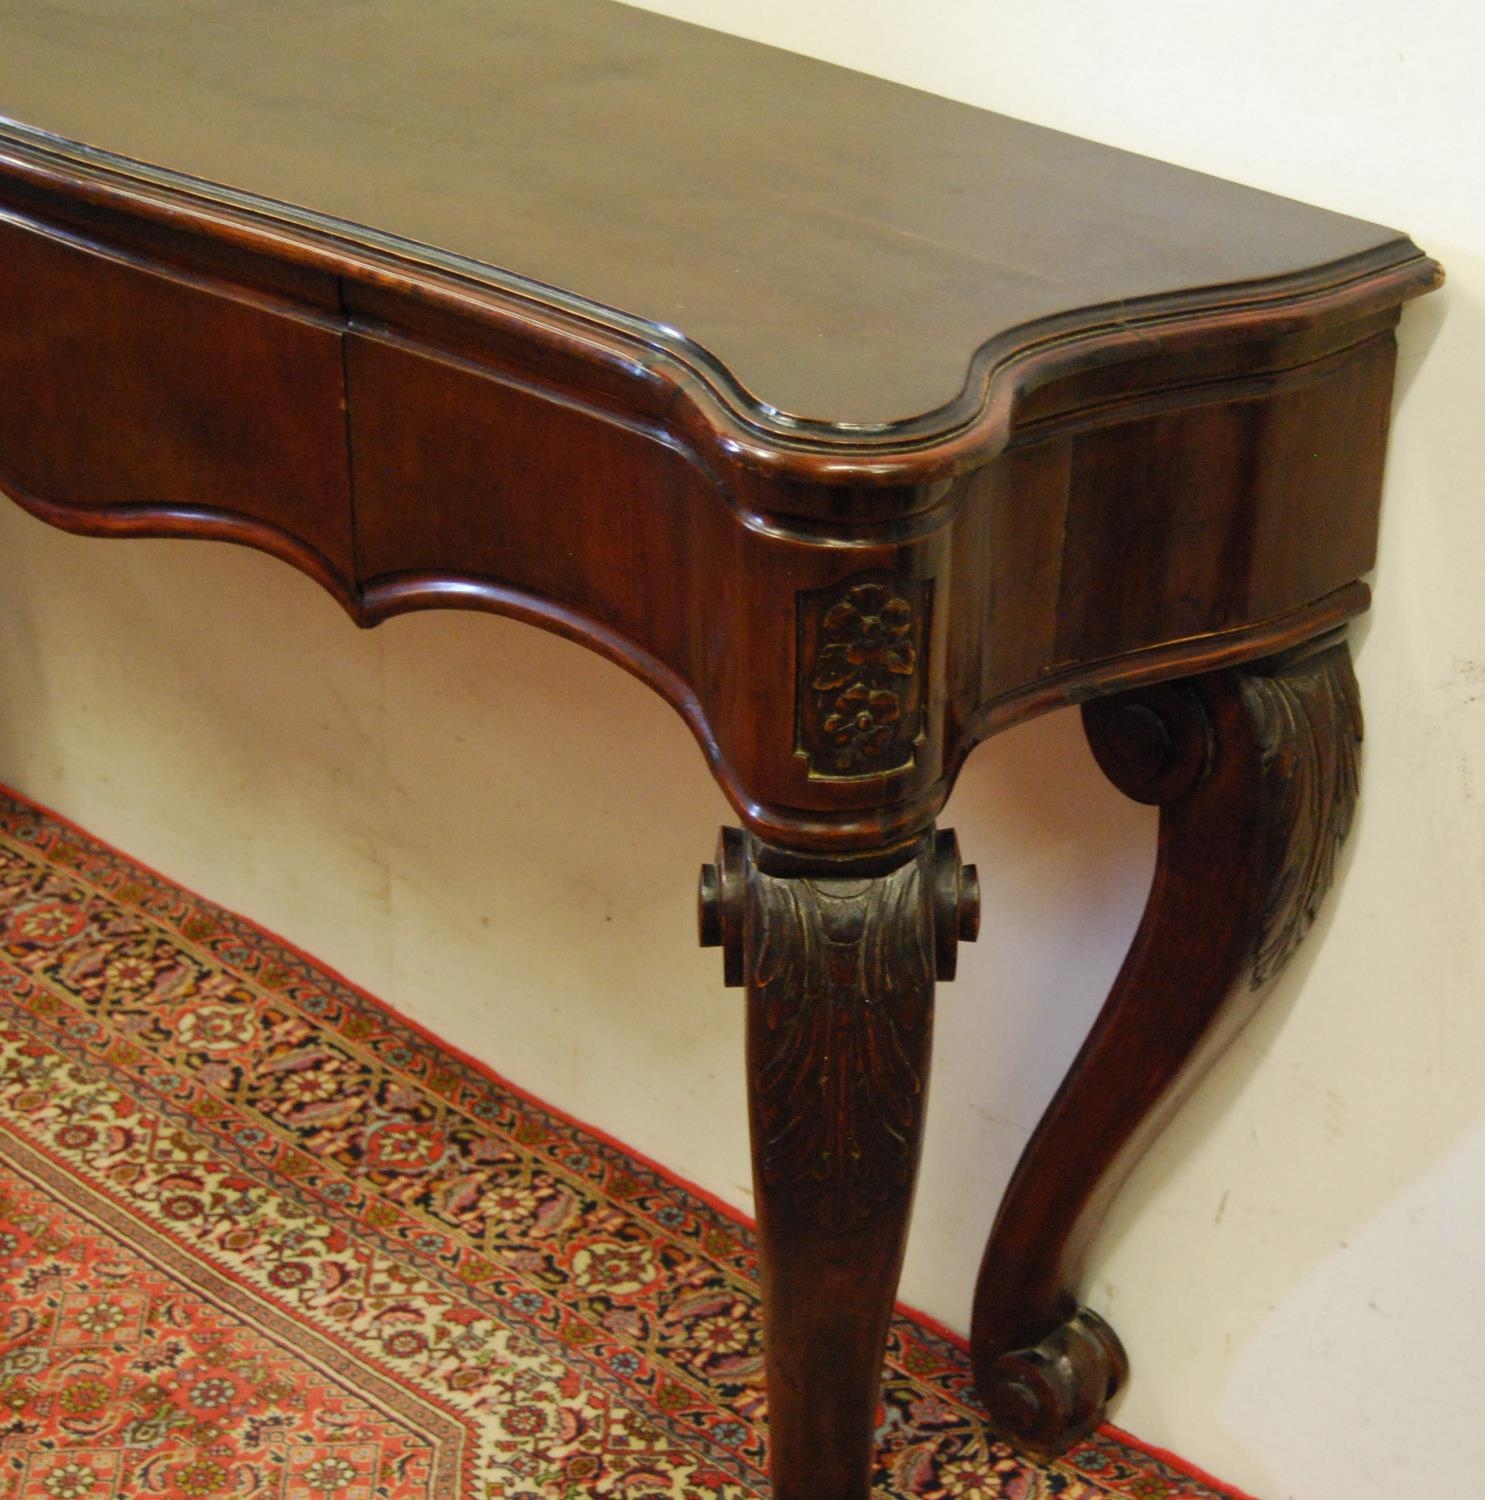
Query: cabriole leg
(839, 960)
(1254, 772)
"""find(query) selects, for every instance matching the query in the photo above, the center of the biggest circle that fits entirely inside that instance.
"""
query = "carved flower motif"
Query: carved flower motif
(866, 649)
(867, 635)
(862, 719)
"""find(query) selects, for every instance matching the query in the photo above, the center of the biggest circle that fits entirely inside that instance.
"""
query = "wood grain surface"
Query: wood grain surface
(829, 246)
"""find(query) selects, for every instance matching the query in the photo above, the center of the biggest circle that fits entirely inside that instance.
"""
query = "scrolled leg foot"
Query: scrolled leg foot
(1045, 1398)
(1254, 772)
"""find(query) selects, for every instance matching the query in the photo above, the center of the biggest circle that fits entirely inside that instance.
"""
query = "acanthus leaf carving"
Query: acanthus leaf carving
(1308, 721)
(843, 975)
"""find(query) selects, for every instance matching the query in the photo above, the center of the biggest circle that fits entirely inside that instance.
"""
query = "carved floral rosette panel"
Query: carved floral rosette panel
(862, 658)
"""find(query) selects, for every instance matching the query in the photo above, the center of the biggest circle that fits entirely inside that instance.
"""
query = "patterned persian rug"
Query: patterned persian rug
(261, 1238)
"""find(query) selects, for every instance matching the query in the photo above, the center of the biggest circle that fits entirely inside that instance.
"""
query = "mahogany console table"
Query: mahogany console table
(859, 423)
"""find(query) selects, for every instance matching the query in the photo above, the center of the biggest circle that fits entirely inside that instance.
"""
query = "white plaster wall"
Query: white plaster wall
(498, 832)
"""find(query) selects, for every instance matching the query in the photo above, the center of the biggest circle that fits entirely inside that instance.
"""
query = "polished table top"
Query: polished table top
(827, 246)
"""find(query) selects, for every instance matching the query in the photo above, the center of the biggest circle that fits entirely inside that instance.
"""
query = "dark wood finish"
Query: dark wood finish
(813, 236)
(840, 971)
(685, 564)
(859, 423)
(144, 388)
(1196, 517)
(1254, 771)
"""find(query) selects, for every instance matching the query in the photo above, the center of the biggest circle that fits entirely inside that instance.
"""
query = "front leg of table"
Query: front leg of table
(839, 959)
(1254, 771)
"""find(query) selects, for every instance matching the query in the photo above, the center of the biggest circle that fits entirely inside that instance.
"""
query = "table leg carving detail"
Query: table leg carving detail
(840, 967)
(1255, 774)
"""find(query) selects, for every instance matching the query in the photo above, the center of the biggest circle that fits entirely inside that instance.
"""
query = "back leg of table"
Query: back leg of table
(1255, 774)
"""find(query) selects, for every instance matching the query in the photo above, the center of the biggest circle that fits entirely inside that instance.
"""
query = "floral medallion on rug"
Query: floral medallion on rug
(260, 1238)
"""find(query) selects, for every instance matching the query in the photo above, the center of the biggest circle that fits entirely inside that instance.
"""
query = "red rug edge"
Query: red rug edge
(1176, 1462)
(737, 1216)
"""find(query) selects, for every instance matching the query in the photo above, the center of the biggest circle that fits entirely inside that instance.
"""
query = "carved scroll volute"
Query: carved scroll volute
(840, 969)
(1303, 713)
